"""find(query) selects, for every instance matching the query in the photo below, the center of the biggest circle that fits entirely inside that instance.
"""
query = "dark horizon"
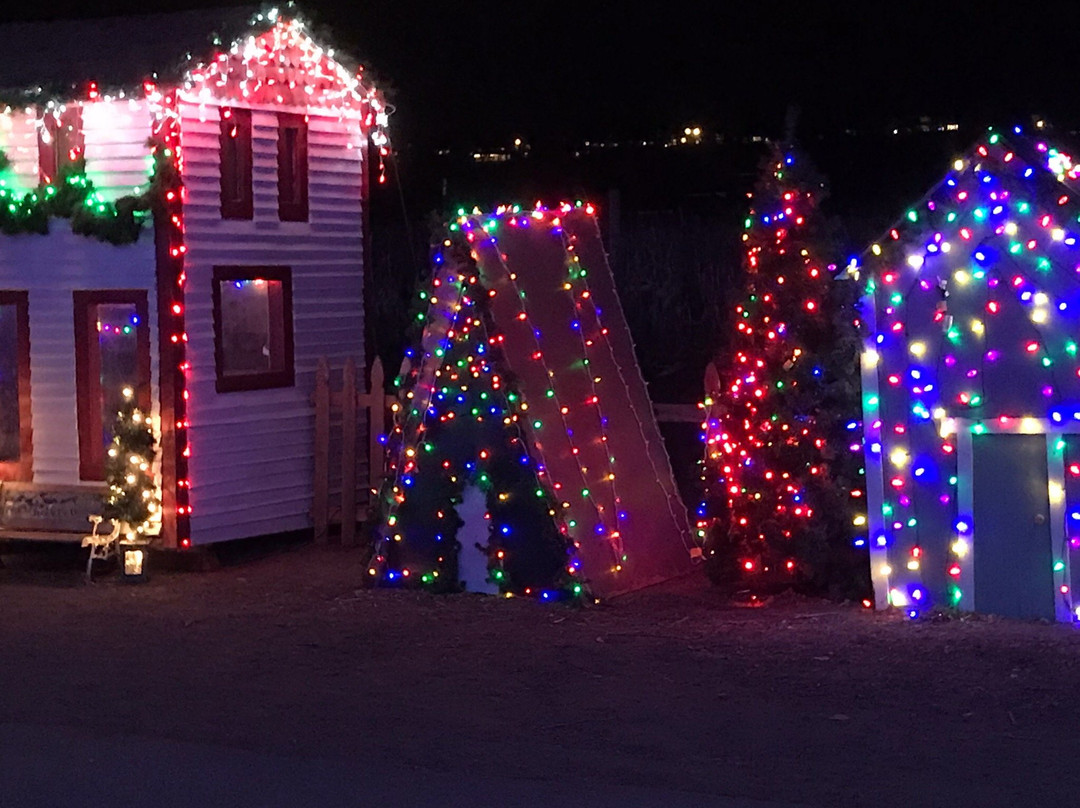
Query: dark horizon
(469, 74)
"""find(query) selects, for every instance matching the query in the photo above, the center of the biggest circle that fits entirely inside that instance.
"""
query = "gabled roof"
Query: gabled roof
(1048, 175)
(977, 289)
(116, 52)
(232, 55)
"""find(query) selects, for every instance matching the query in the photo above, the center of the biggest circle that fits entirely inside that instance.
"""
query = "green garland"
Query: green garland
(74, 197)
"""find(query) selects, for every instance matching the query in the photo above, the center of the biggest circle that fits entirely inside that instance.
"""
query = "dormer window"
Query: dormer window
(236, 198)
(292, 168)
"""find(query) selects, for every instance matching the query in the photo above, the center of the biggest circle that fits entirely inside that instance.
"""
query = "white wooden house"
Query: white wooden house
(250, 268)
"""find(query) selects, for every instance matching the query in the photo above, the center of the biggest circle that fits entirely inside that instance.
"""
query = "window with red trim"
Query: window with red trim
(60, 142)
(112, 351)
(253, 328)
(16, 437)
(236, 197)
(292, 167)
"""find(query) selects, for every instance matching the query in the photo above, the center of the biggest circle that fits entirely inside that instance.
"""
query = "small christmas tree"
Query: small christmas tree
(132, 498)
(781, 471)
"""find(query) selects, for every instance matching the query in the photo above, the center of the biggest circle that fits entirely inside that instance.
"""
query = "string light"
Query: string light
(553, 406)
(995, 354)
(133, 499)
(781, 472)
(461, 422)
(277, 64)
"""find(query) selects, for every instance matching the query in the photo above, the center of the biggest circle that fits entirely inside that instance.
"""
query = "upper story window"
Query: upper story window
(16, 441)
(60, 142)
(292, 168)
(236, 198)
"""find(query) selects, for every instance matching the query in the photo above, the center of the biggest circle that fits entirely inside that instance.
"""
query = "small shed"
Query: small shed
(971, 388)
(212, 290)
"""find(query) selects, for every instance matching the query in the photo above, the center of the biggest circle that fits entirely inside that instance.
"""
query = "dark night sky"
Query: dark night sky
(472, 73)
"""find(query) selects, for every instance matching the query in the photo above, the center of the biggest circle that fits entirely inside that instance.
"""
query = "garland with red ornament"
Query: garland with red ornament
(783, 465)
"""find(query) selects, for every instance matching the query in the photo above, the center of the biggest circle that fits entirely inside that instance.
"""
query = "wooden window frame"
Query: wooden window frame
(292, 168)
(21, 470)
(88, 371)
(263, 380)
(236, 164)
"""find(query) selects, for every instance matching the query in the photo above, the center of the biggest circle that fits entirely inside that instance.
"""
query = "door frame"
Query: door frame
(966, 429)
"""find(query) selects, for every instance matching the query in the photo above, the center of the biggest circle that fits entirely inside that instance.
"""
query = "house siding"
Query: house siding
(118, 159)
(251, 465)
(18, 139)
(115, 136)
(50, 268)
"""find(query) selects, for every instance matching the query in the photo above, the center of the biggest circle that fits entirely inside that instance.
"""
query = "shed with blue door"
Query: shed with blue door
(971, 387)
(247, 269)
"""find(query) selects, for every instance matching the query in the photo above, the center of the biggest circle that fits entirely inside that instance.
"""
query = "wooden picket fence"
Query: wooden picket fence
(343, 412)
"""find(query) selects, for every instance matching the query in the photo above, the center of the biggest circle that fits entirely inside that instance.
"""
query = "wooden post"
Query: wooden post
(376, 425)
(320, 515)
(712, 380)
(348, 454)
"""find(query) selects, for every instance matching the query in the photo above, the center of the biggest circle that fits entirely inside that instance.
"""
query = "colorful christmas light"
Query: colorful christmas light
(278, 65)
(781, 470)
(462, 422)
(971, 316)
(552, 396)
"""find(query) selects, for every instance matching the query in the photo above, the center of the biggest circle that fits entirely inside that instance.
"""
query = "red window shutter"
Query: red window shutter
(292, 168)
(46, 148)
(70, 137)
(236, 196)
(60, 142)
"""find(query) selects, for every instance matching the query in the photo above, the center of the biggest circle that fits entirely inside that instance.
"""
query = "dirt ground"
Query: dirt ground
(799, 701)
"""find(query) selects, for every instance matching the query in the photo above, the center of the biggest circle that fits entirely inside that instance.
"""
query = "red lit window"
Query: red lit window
(253, 330)
(60, 142)
(112, 351)
(16, 439)
(292, 168)
(236, 199)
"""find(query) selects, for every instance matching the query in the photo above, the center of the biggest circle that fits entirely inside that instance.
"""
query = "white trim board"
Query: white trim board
(1055, 473)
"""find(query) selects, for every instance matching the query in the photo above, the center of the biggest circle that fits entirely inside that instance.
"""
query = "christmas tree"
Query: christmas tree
(783, 463)
(461, 440)
(132, 497)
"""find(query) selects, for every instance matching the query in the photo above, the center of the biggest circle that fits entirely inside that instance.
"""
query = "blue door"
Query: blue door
(1013, 553)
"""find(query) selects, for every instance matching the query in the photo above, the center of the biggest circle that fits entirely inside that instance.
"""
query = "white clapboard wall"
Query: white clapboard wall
(18, 139)
(251, 463)
(118, 158)
(115, 133)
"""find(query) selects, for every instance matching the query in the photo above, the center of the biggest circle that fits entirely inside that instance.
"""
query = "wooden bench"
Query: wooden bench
(42, 512)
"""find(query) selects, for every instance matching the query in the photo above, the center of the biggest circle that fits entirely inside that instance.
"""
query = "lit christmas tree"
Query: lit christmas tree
(467, 503)
(783, 457)
(132, 498)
